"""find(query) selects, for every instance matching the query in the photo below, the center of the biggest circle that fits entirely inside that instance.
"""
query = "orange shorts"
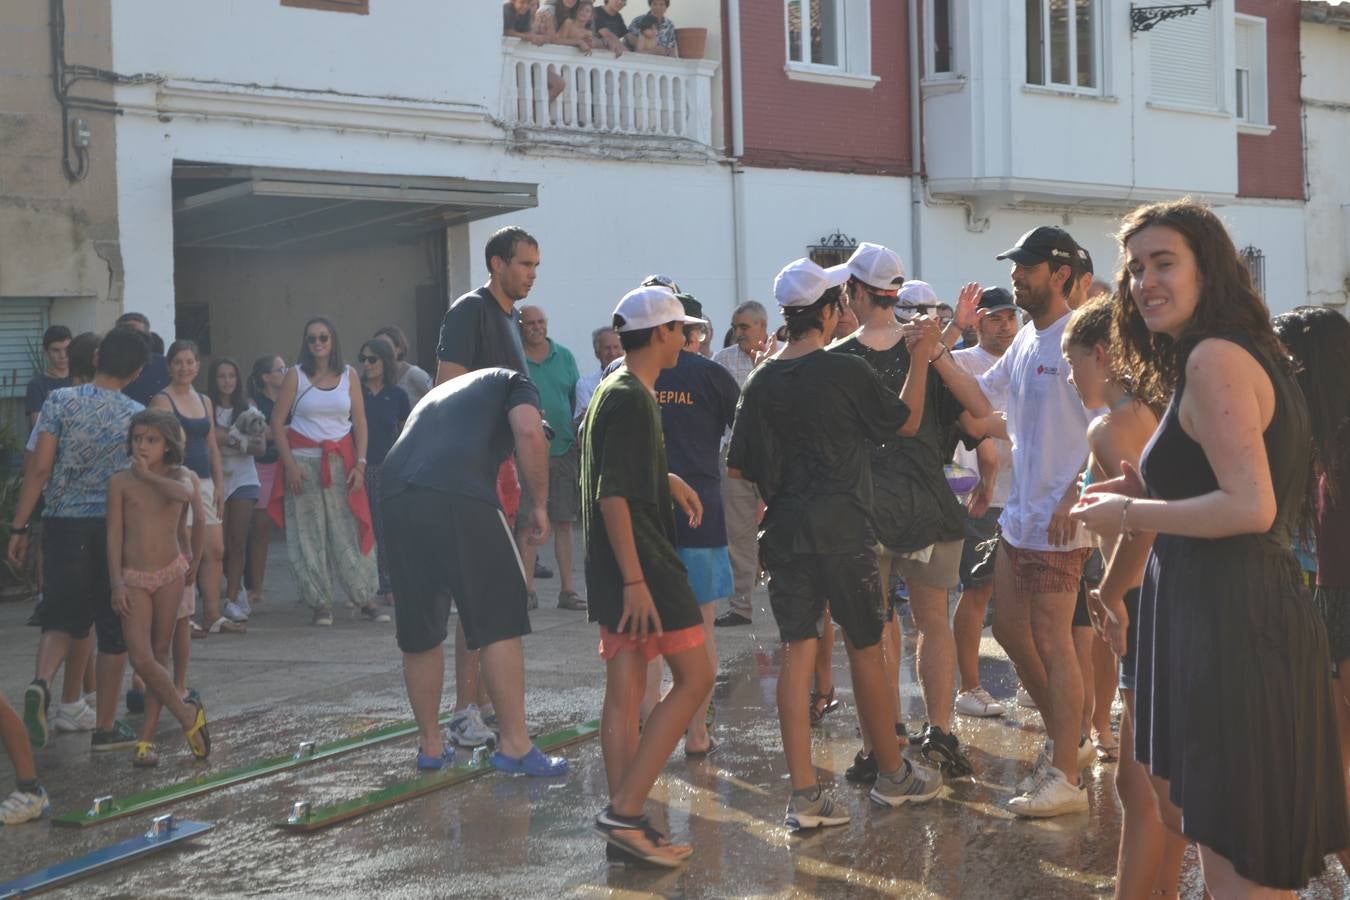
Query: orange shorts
(666, 644)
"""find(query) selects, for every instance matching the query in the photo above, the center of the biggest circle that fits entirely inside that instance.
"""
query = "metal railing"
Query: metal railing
(635, 94)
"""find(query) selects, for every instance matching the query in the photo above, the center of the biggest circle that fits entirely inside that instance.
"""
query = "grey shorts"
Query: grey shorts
(942, 570)
(564, 488)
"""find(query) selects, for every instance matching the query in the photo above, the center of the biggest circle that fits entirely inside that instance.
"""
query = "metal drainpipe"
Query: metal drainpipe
(737, 150)
(915, 146)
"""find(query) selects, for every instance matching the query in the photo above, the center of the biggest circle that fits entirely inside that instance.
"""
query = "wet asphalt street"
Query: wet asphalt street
(287, 681)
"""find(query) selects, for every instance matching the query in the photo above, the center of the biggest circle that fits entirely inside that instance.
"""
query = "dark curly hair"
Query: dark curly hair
(1229, 304)
(1319, 340)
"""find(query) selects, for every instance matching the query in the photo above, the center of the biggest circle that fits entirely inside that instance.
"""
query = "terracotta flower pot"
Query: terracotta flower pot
(691, 42)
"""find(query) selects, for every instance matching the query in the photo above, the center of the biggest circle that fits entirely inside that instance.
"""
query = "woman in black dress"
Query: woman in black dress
(1234, 712)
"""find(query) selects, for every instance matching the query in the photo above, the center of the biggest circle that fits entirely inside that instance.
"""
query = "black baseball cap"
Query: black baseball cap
(995, 298)
(1044, 244)
(1085, 261)
(691, 305)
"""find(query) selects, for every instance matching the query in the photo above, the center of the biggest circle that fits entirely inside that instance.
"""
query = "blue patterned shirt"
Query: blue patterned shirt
(90, 426)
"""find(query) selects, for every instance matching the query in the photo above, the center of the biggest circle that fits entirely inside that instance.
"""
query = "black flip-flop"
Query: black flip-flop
(713, 747)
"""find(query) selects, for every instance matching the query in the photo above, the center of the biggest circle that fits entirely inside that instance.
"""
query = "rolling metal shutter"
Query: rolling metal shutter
(21, 325)
(1183, 61)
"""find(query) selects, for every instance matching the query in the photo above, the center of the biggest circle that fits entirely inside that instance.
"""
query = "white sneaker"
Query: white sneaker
(1024, 699)
(234, 613)
(242, 604)
(1087, 754)
(77, 716)
(468, 730)
(1054, 796)
(1038, 769)
(917, 784)
(21, 806)
(978, 703)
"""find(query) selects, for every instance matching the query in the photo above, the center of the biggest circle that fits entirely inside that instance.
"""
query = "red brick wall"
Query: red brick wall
(804, 125)
(1272, 165)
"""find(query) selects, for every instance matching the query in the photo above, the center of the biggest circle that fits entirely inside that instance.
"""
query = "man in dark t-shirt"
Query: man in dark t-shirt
(920, 525)
(698, 404)
(155, 376)
(56, 374)
(478, 331)
(446, 534)
(637, 587)
(609, 25)
(801, 434)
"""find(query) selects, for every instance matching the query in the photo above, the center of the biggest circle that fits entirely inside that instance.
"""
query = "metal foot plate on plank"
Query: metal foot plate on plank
(106, 809)
(303, 818)
(164, 832)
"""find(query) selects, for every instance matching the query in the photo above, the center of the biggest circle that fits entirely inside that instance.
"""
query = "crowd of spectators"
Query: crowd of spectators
(588, 27)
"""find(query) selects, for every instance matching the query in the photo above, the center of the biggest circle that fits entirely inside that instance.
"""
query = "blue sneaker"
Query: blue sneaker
(426, 763)
(532, 763)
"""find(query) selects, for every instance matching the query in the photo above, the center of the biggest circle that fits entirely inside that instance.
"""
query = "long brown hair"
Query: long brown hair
(1229, 304)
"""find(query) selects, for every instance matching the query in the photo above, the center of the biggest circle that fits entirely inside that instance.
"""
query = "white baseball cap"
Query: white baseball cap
(876, 266)
(648, 307)
(802, 282)
(918, 293)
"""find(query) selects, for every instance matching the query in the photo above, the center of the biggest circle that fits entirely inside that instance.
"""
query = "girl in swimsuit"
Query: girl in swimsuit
(148, 561)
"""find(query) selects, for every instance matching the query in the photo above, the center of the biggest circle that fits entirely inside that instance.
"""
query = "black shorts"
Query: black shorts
(1093, 572)
(440, 545)
(1127, 662)
(799, 587)
(76, 592)
(978, 531)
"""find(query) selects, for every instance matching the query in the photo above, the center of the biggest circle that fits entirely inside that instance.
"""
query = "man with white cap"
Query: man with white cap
(801, 435)
(917, 520)
(637, 586)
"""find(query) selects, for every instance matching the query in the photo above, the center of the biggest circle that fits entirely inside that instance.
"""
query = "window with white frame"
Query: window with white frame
(941, 37)
(1249, 60)
(1184, 58)
(831, 39)
(1064, 44)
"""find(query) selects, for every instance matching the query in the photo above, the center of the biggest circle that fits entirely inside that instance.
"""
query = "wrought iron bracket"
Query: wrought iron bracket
(1146, 18)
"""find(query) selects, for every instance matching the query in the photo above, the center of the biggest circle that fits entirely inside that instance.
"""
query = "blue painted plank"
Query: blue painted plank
(102, 858)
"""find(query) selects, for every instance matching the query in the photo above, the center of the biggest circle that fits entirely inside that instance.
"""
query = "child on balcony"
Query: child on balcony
(645, 28)
(576, 30)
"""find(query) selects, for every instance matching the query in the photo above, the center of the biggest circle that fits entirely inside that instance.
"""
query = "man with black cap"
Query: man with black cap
(801, 434)
(997, 326)
(917, 521)
(1041, 556)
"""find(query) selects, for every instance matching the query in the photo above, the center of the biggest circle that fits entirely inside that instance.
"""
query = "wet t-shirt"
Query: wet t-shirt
(457, 437)
(623, 454)
(698, 403)
(913, 506)
(801, 434)
(477, 333)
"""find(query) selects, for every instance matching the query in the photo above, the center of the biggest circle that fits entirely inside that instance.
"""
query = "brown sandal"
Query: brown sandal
(822, 705)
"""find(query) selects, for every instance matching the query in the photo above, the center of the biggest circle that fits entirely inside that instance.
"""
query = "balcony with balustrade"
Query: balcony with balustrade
(635, 105)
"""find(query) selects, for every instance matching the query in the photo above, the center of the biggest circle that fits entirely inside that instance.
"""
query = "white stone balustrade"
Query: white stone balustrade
(636, 94)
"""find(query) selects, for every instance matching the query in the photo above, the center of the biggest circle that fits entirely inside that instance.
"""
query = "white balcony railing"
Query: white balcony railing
(636, 94)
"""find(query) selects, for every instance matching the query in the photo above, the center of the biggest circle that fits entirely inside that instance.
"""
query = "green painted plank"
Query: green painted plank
(116, 808)
(325, 816)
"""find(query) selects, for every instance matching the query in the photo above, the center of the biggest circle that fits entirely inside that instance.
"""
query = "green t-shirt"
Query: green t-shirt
(623, 454)
(556, 377)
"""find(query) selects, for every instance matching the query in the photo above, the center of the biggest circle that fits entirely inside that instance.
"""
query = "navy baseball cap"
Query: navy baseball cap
(1044, 244)
(995, 298)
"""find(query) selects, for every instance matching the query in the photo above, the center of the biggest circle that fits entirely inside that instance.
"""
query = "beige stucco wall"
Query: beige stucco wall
(1326, 98)
(58, 240)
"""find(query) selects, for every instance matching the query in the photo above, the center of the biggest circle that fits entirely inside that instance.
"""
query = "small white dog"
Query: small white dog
(249, 428)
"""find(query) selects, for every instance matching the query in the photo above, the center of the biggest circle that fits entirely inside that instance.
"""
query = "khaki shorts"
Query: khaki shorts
(564, 487)
(208, 492)
(942, 570)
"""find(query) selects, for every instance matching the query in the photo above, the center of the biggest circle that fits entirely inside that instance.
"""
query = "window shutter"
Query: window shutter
(1242, 46)
(1183, 61)
(21, 325)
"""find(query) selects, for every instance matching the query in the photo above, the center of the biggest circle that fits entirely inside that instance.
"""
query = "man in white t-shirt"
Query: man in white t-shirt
(1040, 558)
(998, 324)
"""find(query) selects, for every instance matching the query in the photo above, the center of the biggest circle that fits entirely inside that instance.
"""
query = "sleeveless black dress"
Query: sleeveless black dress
(1233, 700)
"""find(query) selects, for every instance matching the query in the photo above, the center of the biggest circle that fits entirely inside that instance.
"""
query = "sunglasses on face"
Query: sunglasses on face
(369, 360)
(316, 339)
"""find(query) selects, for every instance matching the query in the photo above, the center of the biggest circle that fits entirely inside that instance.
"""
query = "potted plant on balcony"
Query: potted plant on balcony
(691, 42)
